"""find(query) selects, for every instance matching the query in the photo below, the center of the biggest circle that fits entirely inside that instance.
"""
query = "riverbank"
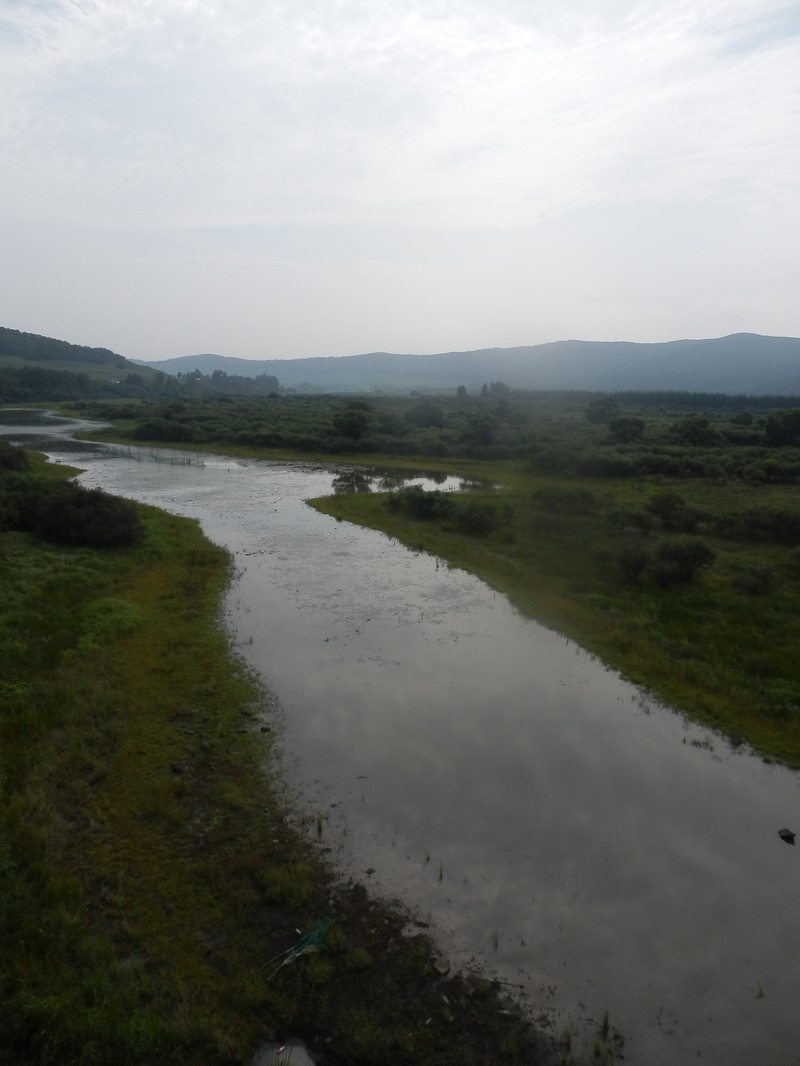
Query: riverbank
(151, 876)
(594, 561)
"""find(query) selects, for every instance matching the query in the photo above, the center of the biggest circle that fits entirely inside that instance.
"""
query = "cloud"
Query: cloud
(341, 132)
(428, 113)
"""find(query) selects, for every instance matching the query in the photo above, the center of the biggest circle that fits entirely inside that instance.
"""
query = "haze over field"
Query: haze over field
(274, 180)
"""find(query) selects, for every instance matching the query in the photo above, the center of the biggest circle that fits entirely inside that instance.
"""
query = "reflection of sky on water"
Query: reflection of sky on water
(368, 480)
(502, 781)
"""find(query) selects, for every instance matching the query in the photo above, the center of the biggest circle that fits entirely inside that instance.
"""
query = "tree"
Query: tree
(601, 410)
(783, 428)
(482, 429)
(666, 506)
(679, 560)
(633, 560)
(694, 430)
(353, 420)
(625, 429)
(426, 415)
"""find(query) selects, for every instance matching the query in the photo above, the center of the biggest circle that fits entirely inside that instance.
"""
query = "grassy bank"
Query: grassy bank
(148, 870)
(595, 561)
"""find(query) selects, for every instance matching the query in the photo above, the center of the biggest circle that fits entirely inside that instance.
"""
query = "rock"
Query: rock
(442, 966)
(787, 835)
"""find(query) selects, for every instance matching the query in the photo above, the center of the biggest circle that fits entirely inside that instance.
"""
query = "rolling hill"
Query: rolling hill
(19, 349)
(743, 363)
(740, 363)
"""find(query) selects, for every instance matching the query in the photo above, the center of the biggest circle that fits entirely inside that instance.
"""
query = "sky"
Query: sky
(269, 179)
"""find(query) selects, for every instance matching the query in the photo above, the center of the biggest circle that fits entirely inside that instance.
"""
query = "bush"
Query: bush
(758, 581)
(666, 506)
(66, 513)
(667, 574)
(415, 502)
(606, 466)
(477, 518)
(770, 525)
(625, 429)
(679, 560)
(12, 458)
(565, 500)
(633, 560)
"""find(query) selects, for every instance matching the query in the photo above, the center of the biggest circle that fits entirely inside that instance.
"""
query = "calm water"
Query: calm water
(582, 842)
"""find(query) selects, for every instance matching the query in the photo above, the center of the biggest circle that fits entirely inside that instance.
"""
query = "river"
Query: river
(554, 825)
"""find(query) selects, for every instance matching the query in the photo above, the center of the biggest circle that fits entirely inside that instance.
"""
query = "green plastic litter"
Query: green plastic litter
(313, 941)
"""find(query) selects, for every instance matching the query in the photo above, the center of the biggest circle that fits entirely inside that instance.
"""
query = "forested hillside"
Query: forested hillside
(740, 363)
(35, 369)
(34, 348)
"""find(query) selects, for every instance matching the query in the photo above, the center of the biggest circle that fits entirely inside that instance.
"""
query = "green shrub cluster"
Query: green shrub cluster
(477, 517)
(63, 512)
(574, 435)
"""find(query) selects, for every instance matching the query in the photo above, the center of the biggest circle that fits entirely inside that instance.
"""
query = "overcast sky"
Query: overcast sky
(275, 179)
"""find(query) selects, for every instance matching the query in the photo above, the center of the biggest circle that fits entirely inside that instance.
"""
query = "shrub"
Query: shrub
(66, 513)
(666, 506)
(630, 518)
(758, 581)
(477, 518)
(565, 500)
(760, 524)
(783, 428)
(633, 560)
(601, 410)
(415, 502)
(606, 466)
(12, 458)
(625, 429)
(680, 559)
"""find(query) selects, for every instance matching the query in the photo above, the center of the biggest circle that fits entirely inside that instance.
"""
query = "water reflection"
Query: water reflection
(586, 842)
(360, 479)
(352, 481)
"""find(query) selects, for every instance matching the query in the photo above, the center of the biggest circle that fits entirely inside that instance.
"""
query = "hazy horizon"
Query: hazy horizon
(456, 351)
(271, 181)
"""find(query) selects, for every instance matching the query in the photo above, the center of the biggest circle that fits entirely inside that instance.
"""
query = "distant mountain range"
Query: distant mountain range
(743, 363)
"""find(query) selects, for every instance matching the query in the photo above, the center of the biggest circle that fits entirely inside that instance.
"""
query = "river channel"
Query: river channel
(553, 824)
